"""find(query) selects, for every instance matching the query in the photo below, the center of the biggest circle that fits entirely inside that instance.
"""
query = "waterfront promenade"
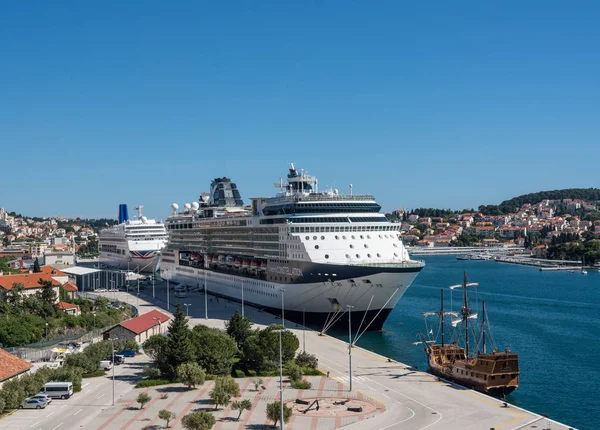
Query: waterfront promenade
(412, 399)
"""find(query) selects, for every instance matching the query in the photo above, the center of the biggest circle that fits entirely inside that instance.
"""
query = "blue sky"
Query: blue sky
(435, 104)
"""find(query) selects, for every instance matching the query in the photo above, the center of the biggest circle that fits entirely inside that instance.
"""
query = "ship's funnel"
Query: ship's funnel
(123, 213)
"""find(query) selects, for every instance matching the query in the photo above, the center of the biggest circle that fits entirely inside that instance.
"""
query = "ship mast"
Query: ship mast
(442, 315)
(483, 324)
(466, 314)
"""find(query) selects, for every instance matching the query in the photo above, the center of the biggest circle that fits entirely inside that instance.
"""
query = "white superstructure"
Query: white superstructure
(133, 244)
(321, 250)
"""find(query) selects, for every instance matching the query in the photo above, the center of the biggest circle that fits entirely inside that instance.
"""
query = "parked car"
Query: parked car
(43, 397)
(105, 365)
(119, 359)
(33, 404)
(127, 353)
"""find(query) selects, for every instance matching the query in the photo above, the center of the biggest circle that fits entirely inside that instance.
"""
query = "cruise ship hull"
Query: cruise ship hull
(319, 302)
(146, 262)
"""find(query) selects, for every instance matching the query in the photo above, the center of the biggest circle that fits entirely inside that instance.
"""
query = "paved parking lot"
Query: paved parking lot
(82, 407)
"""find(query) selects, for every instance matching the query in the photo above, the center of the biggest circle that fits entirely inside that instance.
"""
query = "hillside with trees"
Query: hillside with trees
(513, 205)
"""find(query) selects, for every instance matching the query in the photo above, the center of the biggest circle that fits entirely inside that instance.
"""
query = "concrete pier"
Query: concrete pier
(413, 399)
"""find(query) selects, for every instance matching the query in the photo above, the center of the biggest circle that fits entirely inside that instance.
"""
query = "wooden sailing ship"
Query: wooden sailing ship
(495, 373)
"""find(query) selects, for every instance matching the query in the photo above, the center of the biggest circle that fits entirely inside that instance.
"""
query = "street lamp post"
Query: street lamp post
(94, 320)
(112, 287)
(282, 309)
(187, 309)
(46, 331)
(205, 298)
(282, 424)
(153, 295)
(113, 372)
(303, 330)
(242, 298)
(350, 343)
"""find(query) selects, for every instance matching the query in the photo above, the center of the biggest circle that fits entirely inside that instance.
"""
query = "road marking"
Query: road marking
(119, 383)
(37, 422)
(385, 395)
(85, 385)
(101, 395)
(370, 388)
(51, 413)
(62, 406)
(78, 411)
(57, 426)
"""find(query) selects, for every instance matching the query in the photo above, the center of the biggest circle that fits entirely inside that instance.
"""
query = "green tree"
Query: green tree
(179, 348)
(261, 350)
(257, 383)
(214, 349)
(48, 297)
(36, 266)
(198, 421)
(14, 296)
(191, 374)
(304, 359)
(241, 405)
(239, 328)
(274, 413)
(166, 415)
(142, 399)
(2, 404)
(225, 388)
(156, 347)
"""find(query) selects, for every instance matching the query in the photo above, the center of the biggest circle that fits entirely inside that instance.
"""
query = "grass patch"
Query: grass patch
(94, 374)
(152, 383)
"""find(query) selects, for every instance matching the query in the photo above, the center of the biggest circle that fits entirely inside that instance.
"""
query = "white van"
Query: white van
(105, 365)
(58, 390)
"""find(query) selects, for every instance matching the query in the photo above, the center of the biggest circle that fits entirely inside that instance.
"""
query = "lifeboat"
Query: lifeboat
(254, 264)
(246, 264)
(238, 262)
(263, 265)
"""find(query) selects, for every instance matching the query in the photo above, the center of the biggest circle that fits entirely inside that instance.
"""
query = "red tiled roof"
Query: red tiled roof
(29, 280)
(64, 306)
(70, 287)
(144, 322)
(12, 365)
(49, 270)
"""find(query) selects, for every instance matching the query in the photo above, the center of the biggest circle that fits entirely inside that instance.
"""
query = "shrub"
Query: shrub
(94, 374)
(225, 388)
(142, 399)
(151, 372)
(304, 359)
(152, 383)
(301, 384)
(257, 383)
(274, 414)
(2, 403)
(198, 421)
(295, 372)
(239, 373)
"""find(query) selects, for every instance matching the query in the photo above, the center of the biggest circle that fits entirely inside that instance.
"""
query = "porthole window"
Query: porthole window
(337, 237)
(353, 237)
(307, 237)
(357, 255)
(316, 246)
(368, 237)
(351, 246)
(380, 237)
(395, 245)
(347, 255)
(326, 255)
(395, 254)
(369, 255)
(315, 237)
(379, 255)
(386, 236)
(344, 237)
(366, 246)
(322, 237)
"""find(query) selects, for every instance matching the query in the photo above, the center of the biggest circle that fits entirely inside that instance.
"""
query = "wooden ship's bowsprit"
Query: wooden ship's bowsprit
(495, 373)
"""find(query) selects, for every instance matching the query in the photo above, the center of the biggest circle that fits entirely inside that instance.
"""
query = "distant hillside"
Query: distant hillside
(512, 205)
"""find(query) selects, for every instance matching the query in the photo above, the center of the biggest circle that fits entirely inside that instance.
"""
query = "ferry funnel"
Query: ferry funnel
(123, 213)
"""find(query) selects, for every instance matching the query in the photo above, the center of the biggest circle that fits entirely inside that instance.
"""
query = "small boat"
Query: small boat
(464, 257)
(583, 272)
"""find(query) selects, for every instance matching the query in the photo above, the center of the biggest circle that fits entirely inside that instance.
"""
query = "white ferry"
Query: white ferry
(317, 252)
(132, 244)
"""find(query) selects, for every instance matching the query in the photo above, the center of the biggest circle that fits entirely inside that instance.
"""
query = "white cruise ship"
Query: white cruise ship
(317, 252)
(132, 244)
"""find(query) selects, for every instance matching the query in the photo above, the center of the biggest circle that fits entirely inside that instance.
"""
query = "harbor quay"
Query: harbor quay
(405, 397)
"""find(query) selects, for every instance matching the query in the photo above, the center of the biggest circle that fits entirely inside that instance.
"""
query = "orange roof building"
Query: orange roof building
(12, 366)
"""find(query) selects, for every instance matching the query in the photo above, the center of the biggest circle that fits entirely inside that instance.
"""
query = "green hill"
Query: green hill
(512, 205)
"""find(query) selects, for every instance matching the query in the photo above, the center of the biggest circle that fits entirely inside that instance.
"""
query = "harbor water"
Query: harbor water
(552, 319)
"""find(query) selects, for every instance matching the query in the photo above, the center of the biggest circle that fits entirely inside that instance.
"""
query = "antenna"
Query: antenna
(350, 189)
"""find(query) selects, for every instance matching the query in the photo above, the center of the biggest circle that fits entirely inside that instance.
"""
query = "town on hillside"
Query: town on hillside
(554, 229)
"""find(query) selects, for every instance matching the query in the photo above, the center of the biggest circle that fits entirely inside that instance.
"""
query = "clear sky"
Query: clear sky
(431, 104)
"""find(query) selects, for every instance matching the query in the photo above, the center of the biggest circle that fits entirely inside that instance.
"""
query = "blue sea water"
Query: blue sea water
(552, 319)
